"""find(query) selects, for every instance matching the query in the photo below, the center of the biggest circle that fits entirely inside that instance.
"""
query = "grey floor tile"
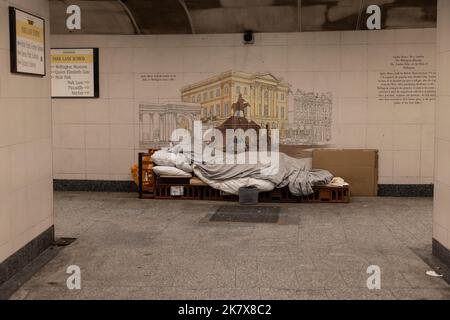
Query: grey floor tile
(132, 249)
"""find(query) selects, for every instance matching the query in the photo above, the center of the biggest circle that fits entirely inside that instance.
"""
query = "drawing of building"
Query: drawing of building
(158, 121)
(312, 118)
(266, 94)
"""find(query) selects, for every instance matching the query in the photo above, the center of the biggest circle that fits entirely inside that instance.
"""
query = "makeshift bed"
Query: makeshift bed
(172, 174)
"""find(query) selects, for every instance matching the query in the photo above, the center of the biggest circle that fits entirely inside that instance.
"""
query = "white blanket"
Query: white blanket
(232, 186)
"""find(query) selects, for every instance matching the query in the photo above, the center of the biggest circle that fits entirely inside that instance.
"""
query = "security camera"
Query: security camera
(248, 37)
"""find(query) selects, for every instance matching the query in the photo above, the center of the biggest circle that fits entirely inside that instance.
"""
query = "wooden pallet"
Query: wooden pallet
(321, 194)
(189, 192)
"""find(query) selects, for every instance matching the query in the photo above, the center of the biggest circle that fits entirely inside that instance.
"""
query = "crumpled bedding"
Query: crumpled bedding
(168, 158)
(232, 186)
(229, 178)
(294, 173)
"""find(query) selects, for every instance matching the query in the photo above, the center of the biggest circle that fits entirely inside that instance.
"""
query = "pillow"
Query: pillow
(164, 158)
(170, 171)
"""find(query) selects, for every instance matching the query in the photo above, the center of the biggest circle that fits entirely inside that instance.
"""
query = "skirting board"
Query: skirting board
(19, 260)
(441, 252)
(384, 190)
(94, 186)
(405, 190)
(443, 255)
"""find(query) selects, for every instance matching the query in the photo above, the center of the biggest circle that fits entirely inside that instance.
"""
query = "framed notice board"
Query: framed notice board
(27, 43)
(75, 73)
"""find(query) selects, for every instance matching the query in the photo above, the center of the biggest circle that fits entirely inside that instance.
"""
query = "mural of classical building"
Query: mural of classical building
(266, 94)
(158, 121)
(312, 118)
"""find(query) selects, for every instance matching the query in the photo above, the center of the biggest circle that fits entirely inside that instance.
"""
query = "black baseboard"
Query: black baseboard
(384, 190)
(405, 190)
(441, 252)
(19, 260)
(94, 186)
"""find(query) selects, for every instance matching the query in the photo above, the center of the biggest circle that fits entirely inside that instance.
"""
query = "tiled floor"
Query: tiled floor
(144, 249)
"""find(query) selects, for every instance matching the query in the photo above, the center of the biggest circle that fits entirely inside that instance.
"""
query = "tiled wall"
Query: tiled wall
(26, 196)
(98, 139)
(441, 217)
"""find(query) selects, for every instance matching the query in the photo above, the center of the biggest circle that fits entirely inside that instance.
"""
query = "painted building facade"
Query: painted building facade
(157, 122)
(266, 94)
(312, 118)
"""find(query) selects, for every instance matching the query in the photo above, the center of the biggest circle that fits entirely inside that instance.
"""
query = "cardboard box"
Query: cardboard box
(357, 167)
(298, 152)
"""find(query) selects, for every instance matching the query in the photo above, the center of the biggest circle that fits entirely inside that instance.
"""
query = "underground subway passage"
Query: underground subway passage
(224, 150)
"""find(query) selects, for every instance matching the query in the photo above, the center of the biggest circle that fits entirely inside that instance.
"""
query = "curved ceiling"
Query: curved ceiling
(235, 16)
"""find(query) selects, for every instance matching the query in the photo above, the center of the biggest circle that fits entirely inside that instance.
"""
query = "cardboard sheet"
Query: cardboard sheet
(358, 167)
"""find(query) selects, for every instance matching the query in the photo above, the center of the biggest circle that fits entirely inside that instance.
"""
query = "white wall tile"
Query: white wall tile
(379, 112)
(427, 163)
(69, 161)
(354, 37)
(353, 136)
(386, 163)
(68, 136)
(354, 58)
(97, 136)
(428, 136)
(416, 36)
(122, 111)
(19, 163)
(407, 164)
(428, 111)
(157, 60)
(5, 218)
(353, 110)
(407, 114)
(407, 137)
(68, 111)
(380, 37)
(121, 161)
(121, 60)
(303, 38)
(96, 111)
(121, 85)
(98, 161)
(442, 114)
(442, 161)
(327, 38)
(380, 57)
(274, 58)
(327, 58)
(300, 57)
(122, 136)
(353, 85)
(380, 137)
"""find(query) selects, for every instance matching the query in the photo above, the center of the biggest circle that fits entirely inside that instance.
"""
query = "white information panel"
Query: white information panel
(75, 73)
(27, 37)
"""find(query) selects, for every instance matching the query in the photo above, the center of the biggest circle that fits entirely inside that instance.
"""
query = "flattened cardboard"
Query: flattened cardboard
(358, 167)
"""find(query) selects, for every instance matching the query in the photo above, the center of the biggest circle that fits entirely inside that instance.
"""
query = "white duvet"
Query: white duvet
(232, 186)
(230, 178)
